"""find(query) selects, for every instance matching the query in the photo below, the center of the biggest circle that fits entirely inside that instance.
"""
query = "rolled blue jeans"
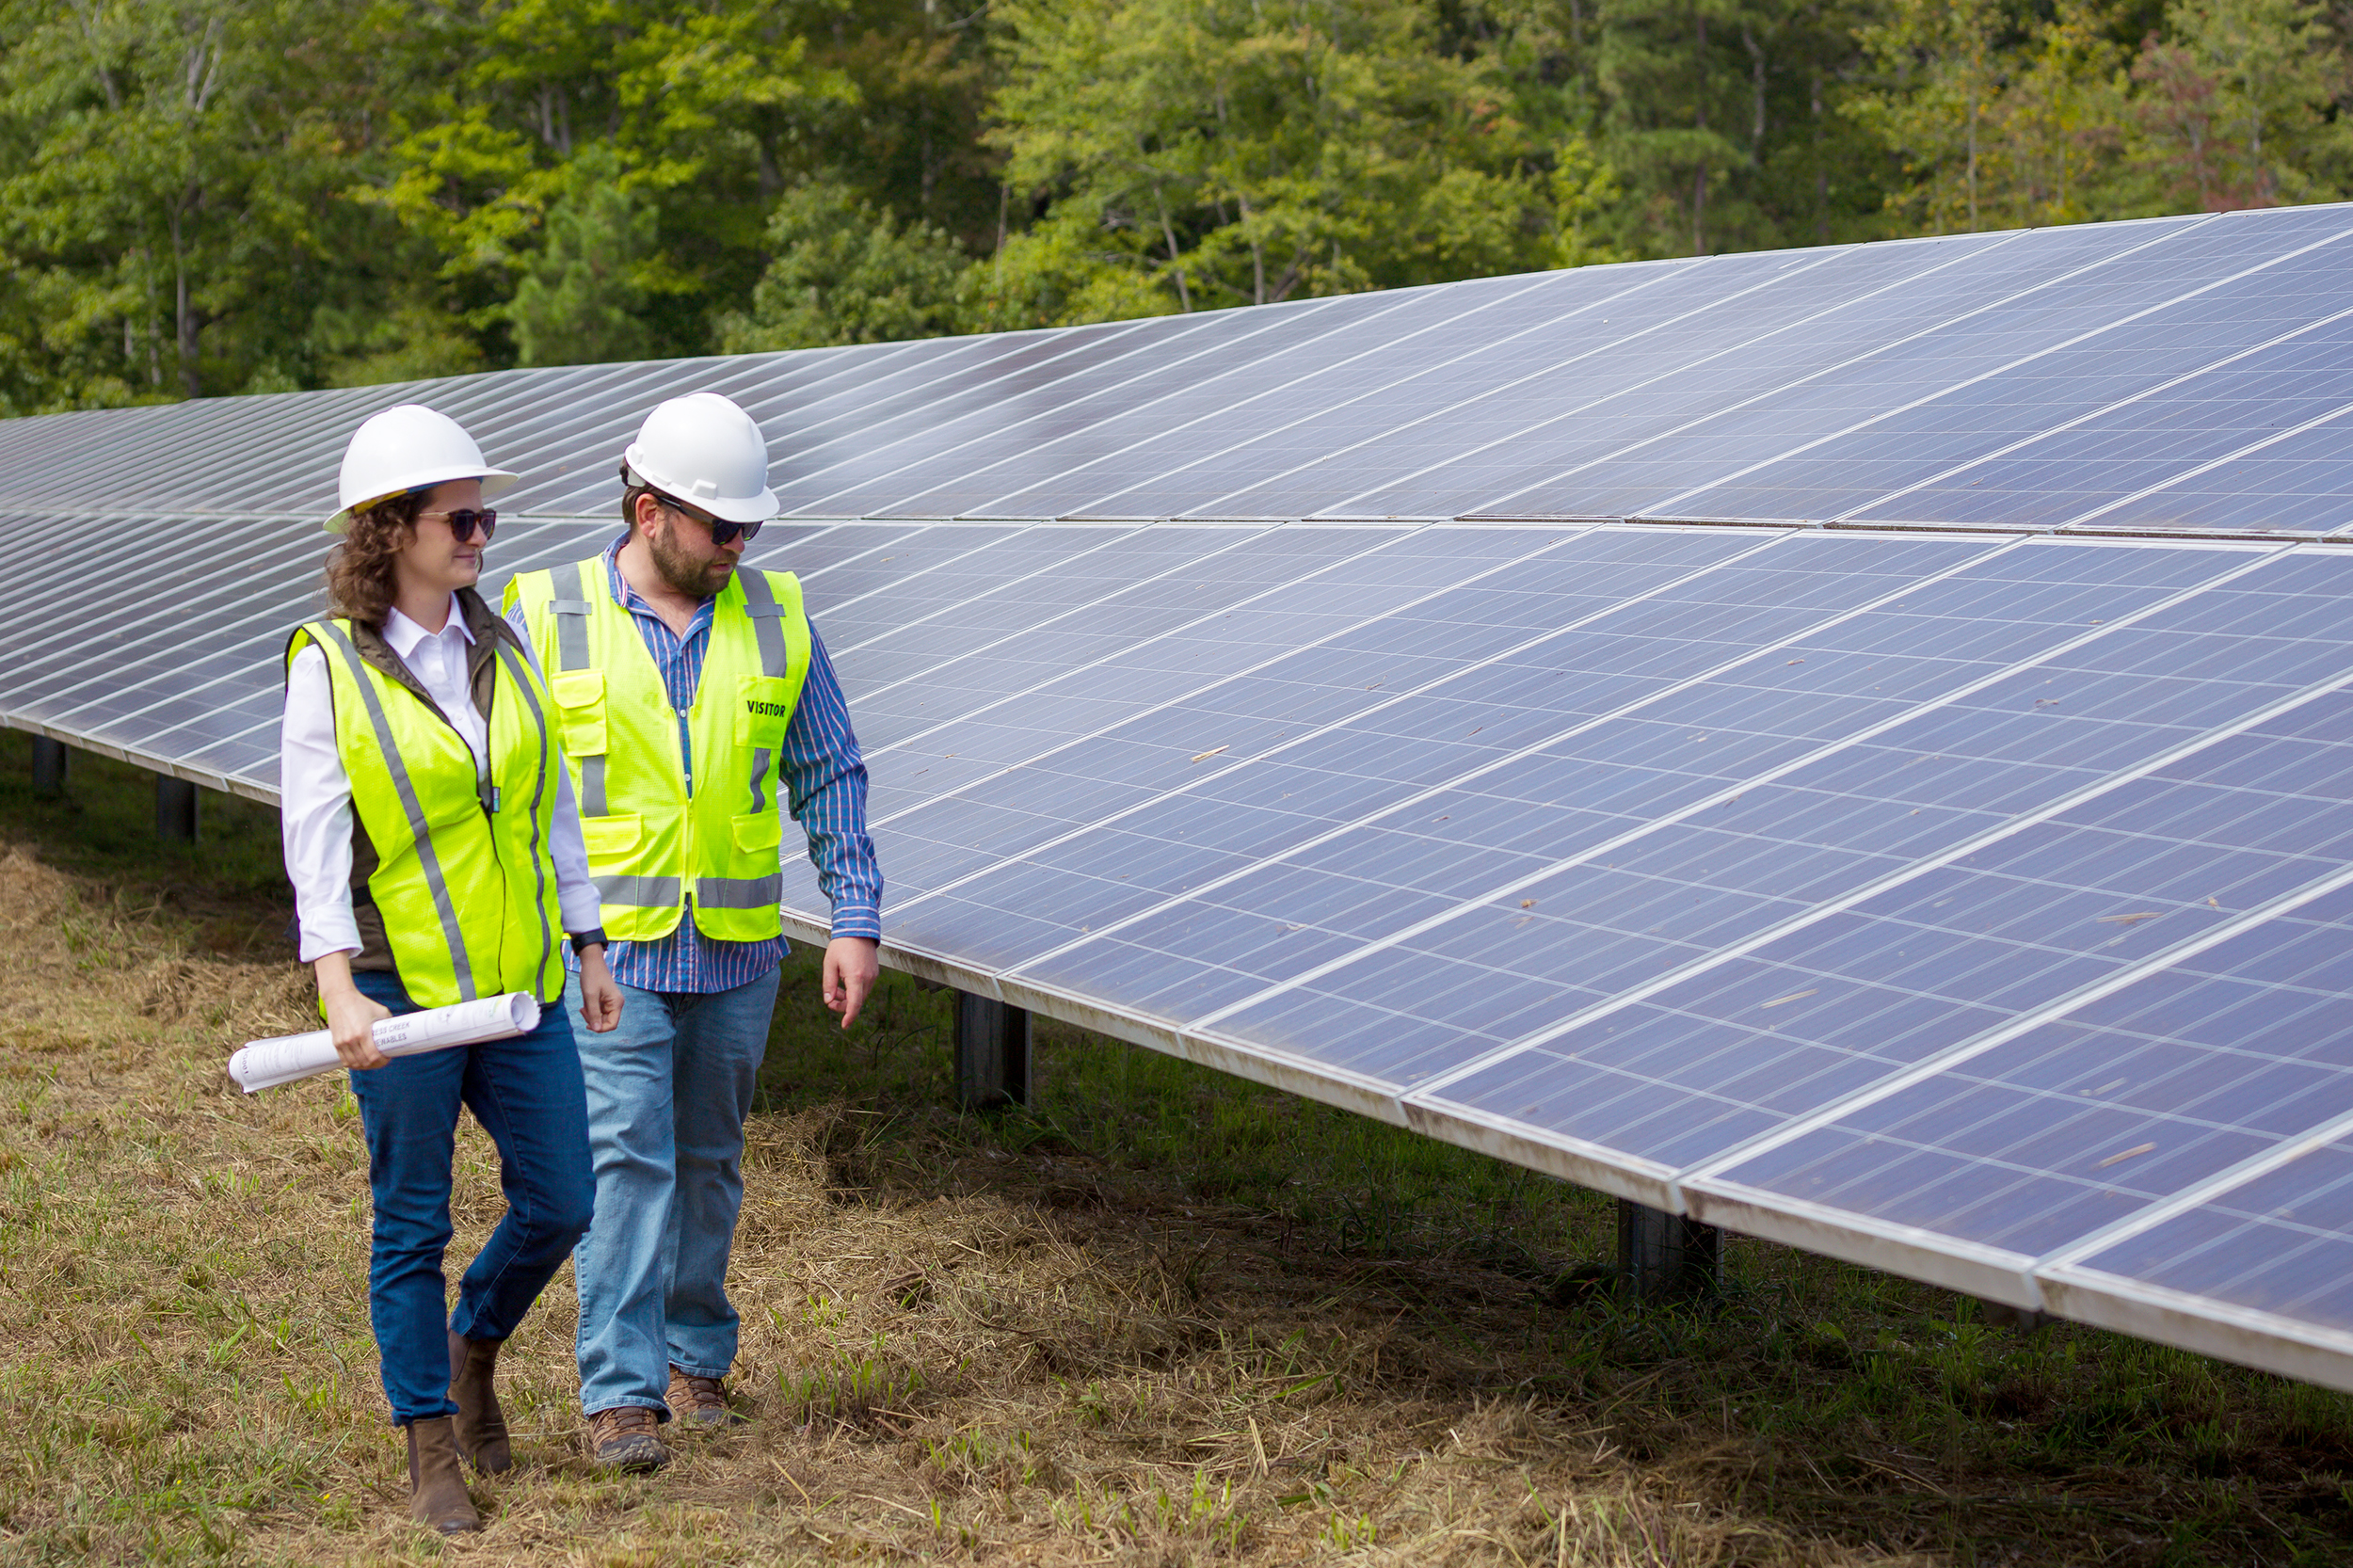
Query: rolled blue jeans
(667, 1093)
(526, 1093)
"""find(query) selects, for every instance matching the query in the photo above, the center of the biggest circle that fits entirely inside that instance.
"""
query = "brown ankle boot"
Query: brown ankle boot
(480, 1426)
(437, 1488)
(622, 1440)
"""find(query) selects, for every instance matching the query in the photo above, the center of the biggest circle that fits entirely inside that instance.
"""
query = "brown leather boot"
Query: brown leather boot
(622, 1439)
(700, 1403)
(480, 1424)
(437, 1488)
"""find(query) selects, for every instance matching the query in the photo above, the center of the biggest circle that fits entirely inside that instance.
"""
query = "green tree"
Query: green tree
(582, 298)
(845, 271)
(1240, 151)
(908, 134)
(700, 108)
(1947, 62)
(1720, 120)
(167, 187)
(2235, 107)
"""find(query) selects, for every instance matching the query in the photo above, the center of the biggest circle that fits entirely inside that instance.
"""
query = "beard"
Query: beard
(682, 573)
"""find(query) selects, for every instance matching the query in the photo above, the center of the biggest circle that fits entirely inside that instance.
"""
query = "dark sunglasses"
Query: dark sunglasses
(722, 533)
(463, 522)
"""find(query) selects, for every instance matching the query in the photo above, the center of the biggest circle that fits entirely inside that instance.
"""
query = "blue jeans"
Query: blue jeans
(526, 1093)
(667, 1093)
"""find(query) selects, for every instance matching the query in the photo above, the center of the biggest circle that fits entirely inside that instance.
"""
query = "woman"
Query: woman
(436, 855)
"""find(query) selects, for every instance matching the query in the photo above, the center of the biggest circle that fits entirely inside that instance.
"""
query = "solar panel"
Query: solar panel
(1948, 884)
(2118, 330)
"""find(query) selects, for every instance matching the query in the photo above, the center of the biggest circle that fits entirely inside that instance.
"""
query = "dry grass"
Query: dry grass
(974, 1342)
(1055, 1377)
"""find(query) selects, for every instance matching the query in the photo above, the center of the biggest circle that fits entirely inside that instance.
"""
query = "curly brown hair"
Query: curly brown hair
(360, 586)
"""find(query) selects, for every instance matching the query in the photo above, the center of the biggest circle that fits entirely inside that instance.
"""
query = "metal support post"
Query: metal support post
(48, 766)
(175, 809)
(992, 1053)
(1663, 1256)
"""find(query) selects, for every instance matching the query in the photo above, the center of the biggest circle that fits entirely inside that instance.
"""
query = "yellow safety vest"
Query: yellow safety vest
(463, 877)
(654, 847)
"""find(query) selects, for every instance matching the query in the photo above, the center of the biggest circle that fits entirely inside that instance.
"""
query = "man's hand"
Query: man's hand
(851, 970)
(600, 993)
(350, 1018)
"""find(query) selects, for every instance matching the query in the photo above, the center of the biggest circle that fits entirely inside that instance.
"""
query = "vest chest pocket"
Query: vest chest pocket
(756, 831)
(763, 706)
(610, 838)
(580, 710)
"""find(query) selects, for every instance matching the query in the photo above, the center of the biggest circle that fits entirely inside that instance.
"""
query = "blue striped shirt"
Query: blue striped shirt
(824, 778)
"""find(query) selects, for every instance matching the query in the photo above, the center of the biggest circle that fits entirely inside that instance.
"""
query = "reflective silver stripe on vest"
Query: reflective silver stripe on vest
(641, 892)
(405, 788)
(571, 652)
(539, 787)
(760, 779)
(760, 603)
(571, 622)
(740, 892)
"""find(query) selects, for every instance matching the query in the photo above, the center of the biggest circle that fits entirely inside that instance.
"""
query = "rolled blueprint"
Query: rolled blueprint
(266, 1064)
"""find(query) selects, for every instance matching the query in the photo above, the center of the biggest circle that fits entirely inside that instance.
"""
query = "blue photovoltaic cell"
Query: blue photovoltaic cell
(854, 436)
(1209, 468)
(1952, 950)
(950, 469)
(2078, 474)
(2072, 349)
(1185, 813)
(1179, 425)
(1535, 465)
(1680, 351)
(2281, 1242)
(1028, 633)
(1334, 864)
(1021, 779)
(969, 585)
(1589, 910)
(2043, 1139)
(2302, 482)
(1794, 320)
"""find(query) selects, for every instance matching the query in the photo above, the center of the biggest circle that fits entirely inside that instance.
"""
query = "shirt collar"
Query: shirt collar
(405, 635)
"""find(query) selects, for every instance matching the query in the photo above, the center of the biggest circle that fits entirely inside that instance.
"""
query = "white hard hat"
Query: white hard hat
(408, 447)
(704, 450)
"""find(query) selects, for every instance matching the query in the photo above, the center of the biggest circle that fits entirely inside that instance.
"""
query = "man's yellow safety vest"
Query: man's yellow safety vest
(462, 874)
(656, 847)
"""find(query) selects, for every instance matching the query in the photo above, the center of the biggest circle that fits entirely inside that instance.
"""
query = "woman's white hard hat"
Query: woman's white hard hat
(703, 450)
(408, 447)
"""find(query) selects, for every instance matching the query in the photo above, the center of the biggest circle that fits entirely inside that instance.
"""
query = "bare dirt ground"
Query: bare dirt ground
(960, 1346)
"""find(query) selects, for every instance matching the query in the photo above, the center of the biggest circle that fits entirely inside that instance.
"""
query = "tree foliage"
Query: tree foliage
(215, 196)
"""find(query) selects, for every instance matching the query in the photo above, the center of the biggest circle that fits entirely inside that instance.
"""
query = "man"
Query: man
(695, 705)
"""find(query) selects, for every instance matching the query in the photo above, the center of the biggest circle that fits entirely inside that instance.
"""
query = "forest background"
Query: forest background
(207, 197)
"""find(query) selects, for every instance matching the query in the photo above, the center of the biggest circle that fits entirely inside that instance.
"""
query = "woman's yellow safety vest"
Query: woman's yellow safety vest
(654, 848)
(463, 877)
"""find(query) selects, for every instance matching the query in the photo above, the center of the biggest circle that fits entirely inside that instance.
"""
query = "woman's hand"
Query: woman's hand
(351, 1016)
(600, 993)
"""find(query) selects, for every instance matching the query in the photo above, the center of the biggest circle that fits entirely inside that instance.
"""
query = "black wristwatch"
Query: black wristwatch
(593, 937)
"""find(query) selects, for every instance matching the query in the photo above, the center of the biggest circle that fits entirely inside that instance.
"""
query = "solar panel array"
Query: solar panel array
(1841, 743)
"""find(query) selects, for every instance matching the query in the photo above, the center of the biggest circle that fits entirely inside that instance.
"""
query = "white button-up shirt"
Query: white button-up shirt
(314, 793)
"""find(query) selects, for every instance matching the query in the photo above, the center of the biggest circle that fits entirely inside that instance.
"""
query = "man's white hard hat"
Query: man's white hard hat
(703, 450)
(408, 447)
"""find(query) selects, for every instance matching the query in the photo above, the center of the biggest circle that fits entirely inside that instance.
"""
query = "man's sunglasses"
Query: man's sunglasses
(722, 533)
(463, 522)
